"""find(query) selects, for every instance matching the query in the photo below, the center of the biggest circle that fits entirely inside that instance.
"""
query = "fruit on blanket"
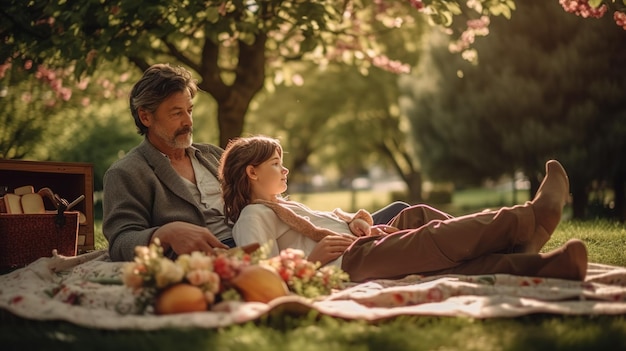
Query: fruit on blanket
(260, 284)
(180, 298)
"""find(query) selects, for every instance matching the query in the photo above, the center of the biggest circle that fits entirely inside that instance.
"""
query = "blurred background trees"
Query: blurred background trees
(331, 80)
(546, 86)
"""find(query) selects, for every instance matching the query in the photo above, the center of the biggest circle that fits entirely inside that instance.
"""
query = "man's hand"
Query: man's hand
(184, 238)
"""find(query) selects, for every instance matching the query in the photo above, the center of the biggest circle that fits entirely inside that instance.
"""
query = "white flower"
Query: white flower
(131, 275)
(194, 261)
(168, 273)
(198, 260)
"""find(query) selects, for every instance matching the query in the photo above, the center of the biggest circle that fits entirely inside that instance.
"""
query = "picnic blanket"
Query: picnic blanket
(85, 290)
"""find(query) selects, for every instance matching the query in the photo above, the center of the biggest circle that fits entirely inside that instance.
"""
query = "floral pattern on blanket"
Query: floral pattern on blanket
(415, 290)
(87, 290)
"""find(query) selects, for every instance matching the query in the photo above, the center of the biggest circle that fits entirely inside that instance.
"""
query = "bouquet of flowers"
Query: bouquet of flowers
(194, 282)
(305, 277)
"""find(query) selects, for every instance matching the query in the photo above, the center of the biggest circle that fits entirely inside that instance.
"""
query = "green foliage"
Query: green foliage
(101, 143)
(31, 115)
(231, 45)
(545, 87)
(45, 111)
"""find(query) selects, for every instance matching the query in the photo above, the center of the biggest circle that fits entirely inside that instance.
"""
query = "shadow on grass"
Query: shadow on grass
(315, 332)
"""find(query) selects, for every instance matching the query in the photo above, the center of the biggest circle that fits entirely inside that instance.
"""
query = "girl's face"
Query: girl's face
(268, 179)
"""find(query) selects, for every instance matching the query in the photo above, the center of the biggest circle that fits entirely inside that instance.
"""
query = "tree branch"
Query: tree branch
(177, 54)
(209, 70)
(139, 62)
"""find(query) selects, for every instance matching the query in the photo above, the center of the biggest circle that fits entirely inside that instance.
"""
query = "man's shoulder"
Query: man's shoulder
(133, 161)
(133, 156)
(208, 149)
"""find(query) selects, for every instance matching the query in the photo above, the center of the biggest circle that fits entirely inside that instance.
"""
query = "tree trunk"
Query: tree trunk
(414, 184)
(230, 116)
(620, 197)
(579, 201)
(233, 100)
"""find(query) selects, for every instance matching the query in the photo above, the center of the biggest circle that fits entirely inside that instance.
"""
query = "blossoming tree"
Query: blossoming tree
(234, 45)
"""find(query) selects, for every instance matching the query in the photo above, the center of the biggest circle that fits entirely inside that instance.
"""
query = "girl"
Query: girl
(420, 240)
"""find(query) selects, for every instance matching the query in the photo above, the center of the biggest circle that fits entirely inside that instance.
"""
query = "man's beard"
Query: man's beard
(181, 139)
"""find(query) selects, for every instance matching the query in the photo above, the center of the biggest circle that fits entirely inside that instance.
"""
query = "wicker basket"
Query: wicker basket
(26, 237)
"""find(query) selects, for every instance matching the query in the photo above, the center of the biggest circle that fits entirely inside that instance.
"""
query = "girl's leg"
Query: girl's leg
(566, 262)
(387, 213)
(445, 244)
(439, 244)
(417, 216)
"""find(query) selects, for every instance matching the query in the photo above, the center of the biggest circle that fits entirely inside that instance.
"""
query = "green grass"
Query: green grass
(605, 240)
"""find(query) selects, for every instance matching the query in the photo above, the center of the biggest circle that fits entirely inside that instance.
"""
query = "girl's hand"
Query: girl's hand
(329, 248)
(383, 229)
(359, 227)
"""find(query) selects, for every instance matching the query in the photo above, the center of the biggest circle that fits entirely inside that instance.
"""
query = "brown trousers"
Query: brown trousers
(431, 242)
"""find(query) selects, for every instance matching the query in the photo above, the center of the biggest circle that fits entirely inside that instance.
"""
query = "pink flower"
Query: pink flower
(198, 277)
(620, 19)
(582, 8)
(4, 68)
(418, 4)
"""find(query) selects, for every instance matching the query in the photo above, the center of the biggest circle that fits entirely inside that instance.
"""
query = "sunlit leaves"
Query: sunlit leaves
(499, 7)
(596, 3)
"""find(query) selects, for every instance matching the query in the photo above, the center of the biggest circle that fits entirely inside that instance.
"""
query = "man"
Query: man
(166, 188)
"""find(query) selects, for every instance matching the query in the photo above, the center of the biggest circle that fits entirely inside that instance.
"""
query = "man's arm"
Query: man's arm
(126, 209)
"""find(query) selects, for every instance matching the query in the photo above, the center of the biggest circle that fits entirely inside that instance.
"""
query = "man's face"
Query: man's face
(171, 125)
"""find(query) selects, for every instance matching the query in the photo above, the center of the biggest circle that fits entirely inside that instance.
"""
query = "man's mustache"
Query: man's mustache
(188, 130)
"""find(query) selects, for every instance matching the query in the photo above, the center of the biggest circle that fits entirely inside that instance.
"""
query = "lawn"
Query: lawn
(606, 241)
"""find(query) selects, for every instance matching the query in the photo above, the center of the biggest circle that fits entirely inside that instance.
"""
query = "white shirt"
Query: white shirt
(258, 223)
(208, 195)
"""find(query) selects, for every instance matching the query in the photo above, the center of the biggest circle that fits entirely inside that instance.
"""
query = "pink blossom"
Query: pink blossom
(478, 23)
(124, 77)
(582, 8)
(82, 85)
(394, 66)
(4, 68)
(418, 4)
(620, 19)
(27, 97)
(65, 93)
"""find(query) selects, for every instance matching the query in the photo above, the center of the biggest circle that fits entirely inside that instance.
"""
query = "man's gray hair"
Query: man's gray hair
(158, 82)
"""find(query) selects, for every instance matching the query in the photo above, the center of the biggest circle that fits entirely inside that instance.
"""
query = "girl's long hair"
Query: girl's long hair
(239, 154)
